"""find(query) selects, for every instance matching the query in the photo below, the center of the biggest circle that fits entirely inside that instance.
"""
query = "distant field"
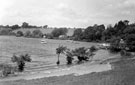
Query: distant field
(49, 30)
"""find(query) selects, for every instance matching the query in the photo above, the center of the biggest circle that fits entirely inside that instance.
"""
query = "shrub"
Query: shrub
(27, 34)
(130, 41)
(5, 31)
(69, 57)
(124, 54)
(7, 69)
(93, 48)
(58, 32)
(81, 54)
(21, 61)
(12, 33)
(37, 34)
(49, 36)
(115, 45)
(19, 33)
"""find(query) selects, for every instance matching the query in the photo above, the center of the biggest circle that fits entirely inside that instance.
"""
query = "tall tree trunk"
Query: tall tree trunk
(58, 62)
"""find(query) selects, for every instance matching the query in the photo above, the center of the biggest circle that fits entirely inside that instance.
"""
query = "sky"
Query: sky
(66, 13)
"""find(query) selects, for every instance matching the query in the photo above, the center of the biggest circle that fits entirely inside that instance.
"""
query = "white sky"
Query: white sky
(66, 13)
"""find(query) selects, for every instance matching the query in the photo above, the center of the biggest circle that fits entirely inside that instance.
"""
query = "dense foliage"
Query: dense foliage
(6, 31)
(112, 34)
(78, 34)
(59, 31)
(97, 33)
(91, 33)
(7, 69)
(19, 33)
(28, 34)
(37, 34)
(20, 60)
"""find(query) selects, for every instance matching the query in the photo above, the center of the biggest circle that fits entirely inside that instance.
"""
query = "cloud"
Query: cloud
(129, 3)
(3, 6)
(74, 13)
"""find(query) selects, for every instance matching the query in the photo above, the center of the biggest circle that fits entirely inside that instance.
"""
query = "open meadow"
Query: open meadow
(44, 55)
(42, 52)
(44, 71)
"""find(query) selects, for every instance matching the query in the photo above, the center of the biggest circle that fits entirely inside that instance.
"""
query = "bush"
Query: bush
(93, 48)
(115, 45)
(19, 33)
(21, 61)
(49, 36)
(37, 34)
(12, 33)
(27, 34)
(81, 54)
(5, 31)
(130, 41)
(58, 32)
(69, 57)
(125, 54)
(7, 69)
(69, 60)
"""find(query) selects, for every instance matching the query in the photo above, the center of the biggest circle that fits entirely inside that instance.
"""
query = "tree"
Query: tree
(25, 25)
(78, 34)
(115, 45)
(108, 33)
(128, 31)
(130, 42)
(89, 34)
(21, 61)
(119, 28)
(14, 27)
(45, 26)
(59, 51)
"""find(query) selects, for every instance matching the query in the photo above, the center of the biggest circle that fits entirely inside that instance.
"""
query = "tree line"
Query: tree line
(112, 34)
(97, 33)
(24, 25)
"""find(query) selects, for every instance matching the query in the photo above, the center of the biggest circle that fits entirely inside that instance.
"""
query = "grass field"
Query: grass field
(44, 57)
